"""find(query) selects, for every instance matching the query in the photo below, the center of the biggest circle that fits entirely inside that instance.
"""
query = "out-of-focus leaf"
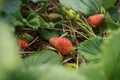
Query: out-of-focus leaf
(31, 73)
(46, 73)
(11, 6)
(56, 72)
(1, 3)
(87, 7)
(9, 53)
(42, 58)
(92, 72)
(8, 18)
(113, 13)
(108, 3)
(14, 19)
(111, 56)
(91, 48)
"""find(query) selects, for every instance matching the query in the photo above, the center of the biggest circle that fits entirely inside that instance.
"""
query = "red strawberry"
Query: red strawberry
(23, 44)
(96, 20)
(63, 45)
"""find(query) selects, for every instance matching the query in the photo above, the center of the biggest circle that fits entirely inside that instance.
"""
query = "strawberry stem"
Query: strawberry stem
(86, 27)
(63, 35)
(75, 31)
(77, 66)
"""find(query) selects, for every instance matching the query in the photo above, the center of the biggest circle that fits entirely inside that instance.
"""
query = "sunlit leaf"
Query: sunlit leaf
(87, 7)
(91, 48)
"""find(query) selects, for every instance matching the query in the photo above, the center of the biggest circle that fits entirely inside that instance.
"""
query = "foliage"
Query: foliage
(110, 56)
(110, 66)
(90, 49)
(8, 47)
(96, 51)
(34, 21)
(10, 7)
(87, 7)
(108, 2)
(43, 58)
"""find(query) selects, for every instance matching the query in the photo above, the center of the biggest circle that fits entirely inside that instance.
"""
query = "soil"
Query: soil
(118, 6)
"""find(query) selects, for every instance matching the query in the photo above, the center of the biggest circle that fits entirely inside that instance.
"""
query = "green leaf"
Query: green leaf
(9, 52)
(46, 73)
(11, 6)
(27, 37)
(113, 13)
(31, 73)
(91, 48)
(108, 23)
(1, 4)
(92, 72)
(35, 21)
(43, 22)
(18, 19)
(108, 3)
(46, 34)
(62, 73)
(86, 7)
(18, 16)
(56, 72)
(111, 56)
(43, 58)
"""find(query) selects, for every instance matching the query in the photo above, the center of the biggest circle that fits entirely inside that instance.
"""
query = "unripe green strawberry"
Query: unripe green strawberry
(96, 20)
(63, 45)
(23, 44)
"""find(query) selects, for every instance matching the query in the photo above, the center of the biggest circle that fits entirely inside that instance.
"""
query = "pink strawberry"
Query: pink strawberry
(96, 20)
(63, 45)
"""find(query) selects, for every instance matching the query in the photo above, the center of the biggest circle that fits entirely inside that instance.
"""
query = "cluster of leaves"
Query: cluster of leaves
(45, 64)
(101, 56)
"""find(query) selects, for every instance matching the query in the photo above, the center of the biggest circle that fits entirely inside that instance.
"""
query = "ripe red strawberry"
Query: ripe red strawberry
(63, 45)
(96, 20)
(23, 44)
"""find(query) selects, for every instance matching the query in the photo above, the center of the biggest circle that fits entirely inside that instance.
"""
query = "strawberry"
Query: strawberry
(63, 45)
(96, 20)
(23, 44)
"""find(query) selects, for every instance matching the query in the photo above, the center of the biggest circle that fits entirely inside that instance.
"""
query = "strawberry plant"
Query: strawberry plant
(59, 40)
